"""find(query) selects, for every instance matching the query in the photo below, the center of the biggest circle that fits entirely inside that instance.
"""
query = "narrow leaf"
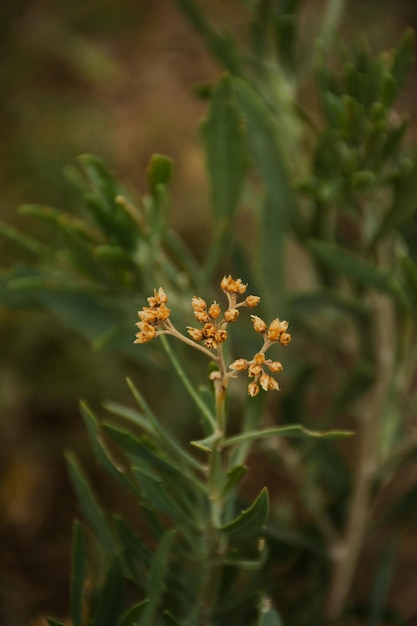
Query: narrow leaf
(157, 579)
(295, 431)
(224, 140)
(89, 504)
(109, 601)
(252, 520)
(354, 267)
(78, 573)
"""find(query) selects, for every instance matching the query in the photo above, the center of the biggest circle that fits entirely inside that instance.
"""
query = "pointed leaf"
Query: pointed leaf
(157, 578)
(130, 618)
(354, 267)
(109, 600)
(101, 452)
(251, 521)
(295, 431)
(53, 622)
(78, 574)
(224, 140)
(234, 476)
(89, 504)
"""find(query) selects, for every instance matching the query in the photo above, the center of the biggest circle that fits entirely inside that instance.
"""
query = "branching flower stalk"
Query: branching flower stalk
(210, 339)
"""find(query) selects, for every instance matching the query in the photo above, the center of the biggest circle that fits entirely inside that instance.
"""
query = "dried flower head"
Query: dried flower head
(231, 285)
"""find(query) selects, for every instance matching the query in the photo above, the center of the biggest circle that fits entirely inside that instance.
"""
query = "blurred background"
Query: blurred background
(115, 79)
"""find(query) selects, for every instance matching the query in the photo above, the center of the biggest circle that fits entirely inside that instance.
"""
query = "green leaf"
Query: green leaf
(404, 204)
(132, 615)
(209, 418)
(165, 438)
(403, 58)
(89, 504)
(382, 583)
(158, 497)
(234, 476)
(354, 267)
(224, 140)
(53, 622)
(78, 574)
(169, 620)
(409, 271)
(223, 48)
(251, 521)
(207, 444)
(108, 603)
(295, 431)
(280, 206)
(26, 242)
(102, 454)
(157, 579)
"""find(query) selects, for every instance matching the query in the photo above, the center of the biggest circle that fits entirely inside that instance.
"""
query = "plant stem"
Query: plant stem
(346, 552)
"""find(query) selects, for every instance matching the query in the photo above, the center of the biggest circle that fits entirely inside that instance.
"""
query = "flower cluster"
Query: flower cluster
(154, 320)
(276, 332)
(214, 330)
(152, 317)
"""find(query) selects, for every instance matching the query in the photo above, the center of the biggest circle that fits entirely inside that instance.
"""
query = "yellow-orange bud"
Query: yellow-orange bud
(274, 366)
(221, 336)
(253, 389)
(195, 333)
(252, 301)
(231, 315)
(258, 324)
(198, 303)
(214, 310)
(240, 365)
(285, 339)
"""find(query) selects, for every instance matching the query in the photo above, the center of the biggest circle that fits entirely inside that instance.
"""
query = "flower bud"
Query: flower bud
(285, 339)
(240, 365)
(214, 311)
(198, 303)
(253, 389)
(231, 315)
(252, 301)
(258, 324)
(274, 366)
(195, 333)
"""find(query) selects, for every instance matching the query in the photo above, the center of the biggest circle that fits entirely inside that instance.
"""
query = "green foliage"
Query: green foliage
(338, 193)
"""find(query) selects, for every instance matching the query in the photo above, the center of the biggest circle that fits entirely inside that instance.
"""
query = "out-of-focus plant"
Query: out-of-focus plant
(332, 186)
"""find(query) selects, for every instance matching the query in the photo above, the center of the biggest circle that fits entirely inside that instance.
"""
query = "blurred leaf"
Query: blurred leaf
(280, 204)
(403, 58)
(189, 385)
(251, 521)
(222, 47)
(89, 504)
(163, 436)
(78, 574)
(354, 267)
(54, 622)
(102, 454)
(383, 579)
(159, 498)
(64, 221)
(224, 140)
(409, 271)
(26, 242)
(404, 204)
(169, 620)
(207, 444)
(234, 476)
(295, 431)
(108, 602)
(157, 579)
(132, 615)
